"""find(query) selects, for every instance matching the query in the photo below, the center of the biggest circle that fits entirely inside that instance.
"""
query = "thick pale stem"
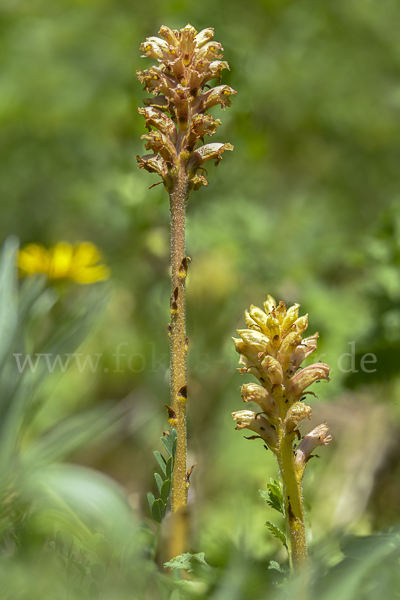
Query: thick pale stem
(295, 528)
(178, 343)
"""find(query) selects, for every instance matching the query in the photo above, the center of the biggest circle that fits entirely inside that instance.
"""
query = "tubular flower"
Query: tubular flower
(272, 348)
(316, 437)
(187, 61)
(80, 263)
(257, 423)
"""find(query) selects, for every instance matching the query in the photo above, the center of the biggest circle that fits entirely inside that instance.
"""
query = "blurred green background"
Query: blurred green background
(306, 208)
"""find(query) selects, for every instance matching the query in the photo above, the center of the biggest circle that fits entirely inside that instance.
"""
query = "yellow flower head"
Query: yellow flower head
(272, 348)
(78, 263)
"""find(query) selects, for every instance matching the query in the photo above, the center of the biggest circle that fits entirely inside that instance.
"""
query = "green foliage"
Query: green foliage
(187, 562)
(277, 533)
(158, 506)
(38, 494)
(275, 566)
(273, 495)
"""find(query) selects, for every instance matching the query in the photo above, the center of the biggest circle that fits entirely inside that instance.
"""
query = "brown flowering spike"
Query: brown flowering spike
(187, 61)
(272, 348)
(187, 65)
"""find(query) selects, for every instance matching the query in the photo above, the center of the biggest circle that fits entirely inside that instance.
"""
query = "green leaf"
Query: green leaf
(8, 295)
(159, 481)
(169, 467)
(169, 442)
(275, 566)
(81, 568)
(151, 499)
(158, 510)
(274, 495)
(164, 492)
(157, 507)
(73, 433)
(186, 562)
(277, 532)
(161, 461)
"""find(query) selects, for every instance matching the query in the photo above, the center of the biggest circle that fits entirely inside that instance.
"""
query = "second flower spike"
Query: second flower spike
(272, 348)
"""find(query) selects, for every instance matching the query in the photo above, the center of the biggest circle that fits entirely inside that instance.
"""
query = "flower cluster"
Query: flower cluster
(177, 116)
(78, 263)
(272, 349)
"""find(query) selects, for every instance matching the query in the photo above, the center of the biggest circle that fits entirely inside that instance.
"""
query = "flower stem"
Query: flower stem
(295, 528)
(178, 345)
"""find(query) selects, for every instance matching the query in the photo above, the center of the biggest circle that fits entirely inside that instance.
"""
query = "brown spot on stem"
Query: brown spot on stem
(172, 419)
(173, 306)
(183, 269)
(171, 412)
(182, 394)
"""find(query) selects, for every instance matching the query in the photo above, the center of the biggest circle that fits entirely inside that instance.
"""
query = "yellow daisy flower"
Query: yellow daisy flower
(80, 263)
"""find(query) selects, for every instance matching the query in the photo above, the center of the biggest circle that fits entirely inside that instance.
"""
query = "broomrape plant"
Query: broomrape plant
(177, 120)
(272, 348)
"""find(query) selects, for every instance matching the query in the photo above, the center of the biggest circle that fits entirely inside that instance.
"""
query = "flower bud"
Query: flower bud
(255, 339)
(288, 347)
(296, 413)
(260, 318)
(269, 305)
(204, 36)
(265, 400)
(292, 314)
(273, 370)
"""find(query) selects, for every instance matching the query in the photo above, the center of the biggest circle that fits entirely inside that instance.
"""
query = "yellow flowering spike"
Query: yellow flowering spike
(80, 263)
(272, 349)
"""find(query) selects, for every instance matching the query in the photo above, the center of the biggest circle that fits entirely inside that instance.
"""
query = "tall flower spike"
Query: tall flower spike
(177, 121)
(272, 348)
(187, 62)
